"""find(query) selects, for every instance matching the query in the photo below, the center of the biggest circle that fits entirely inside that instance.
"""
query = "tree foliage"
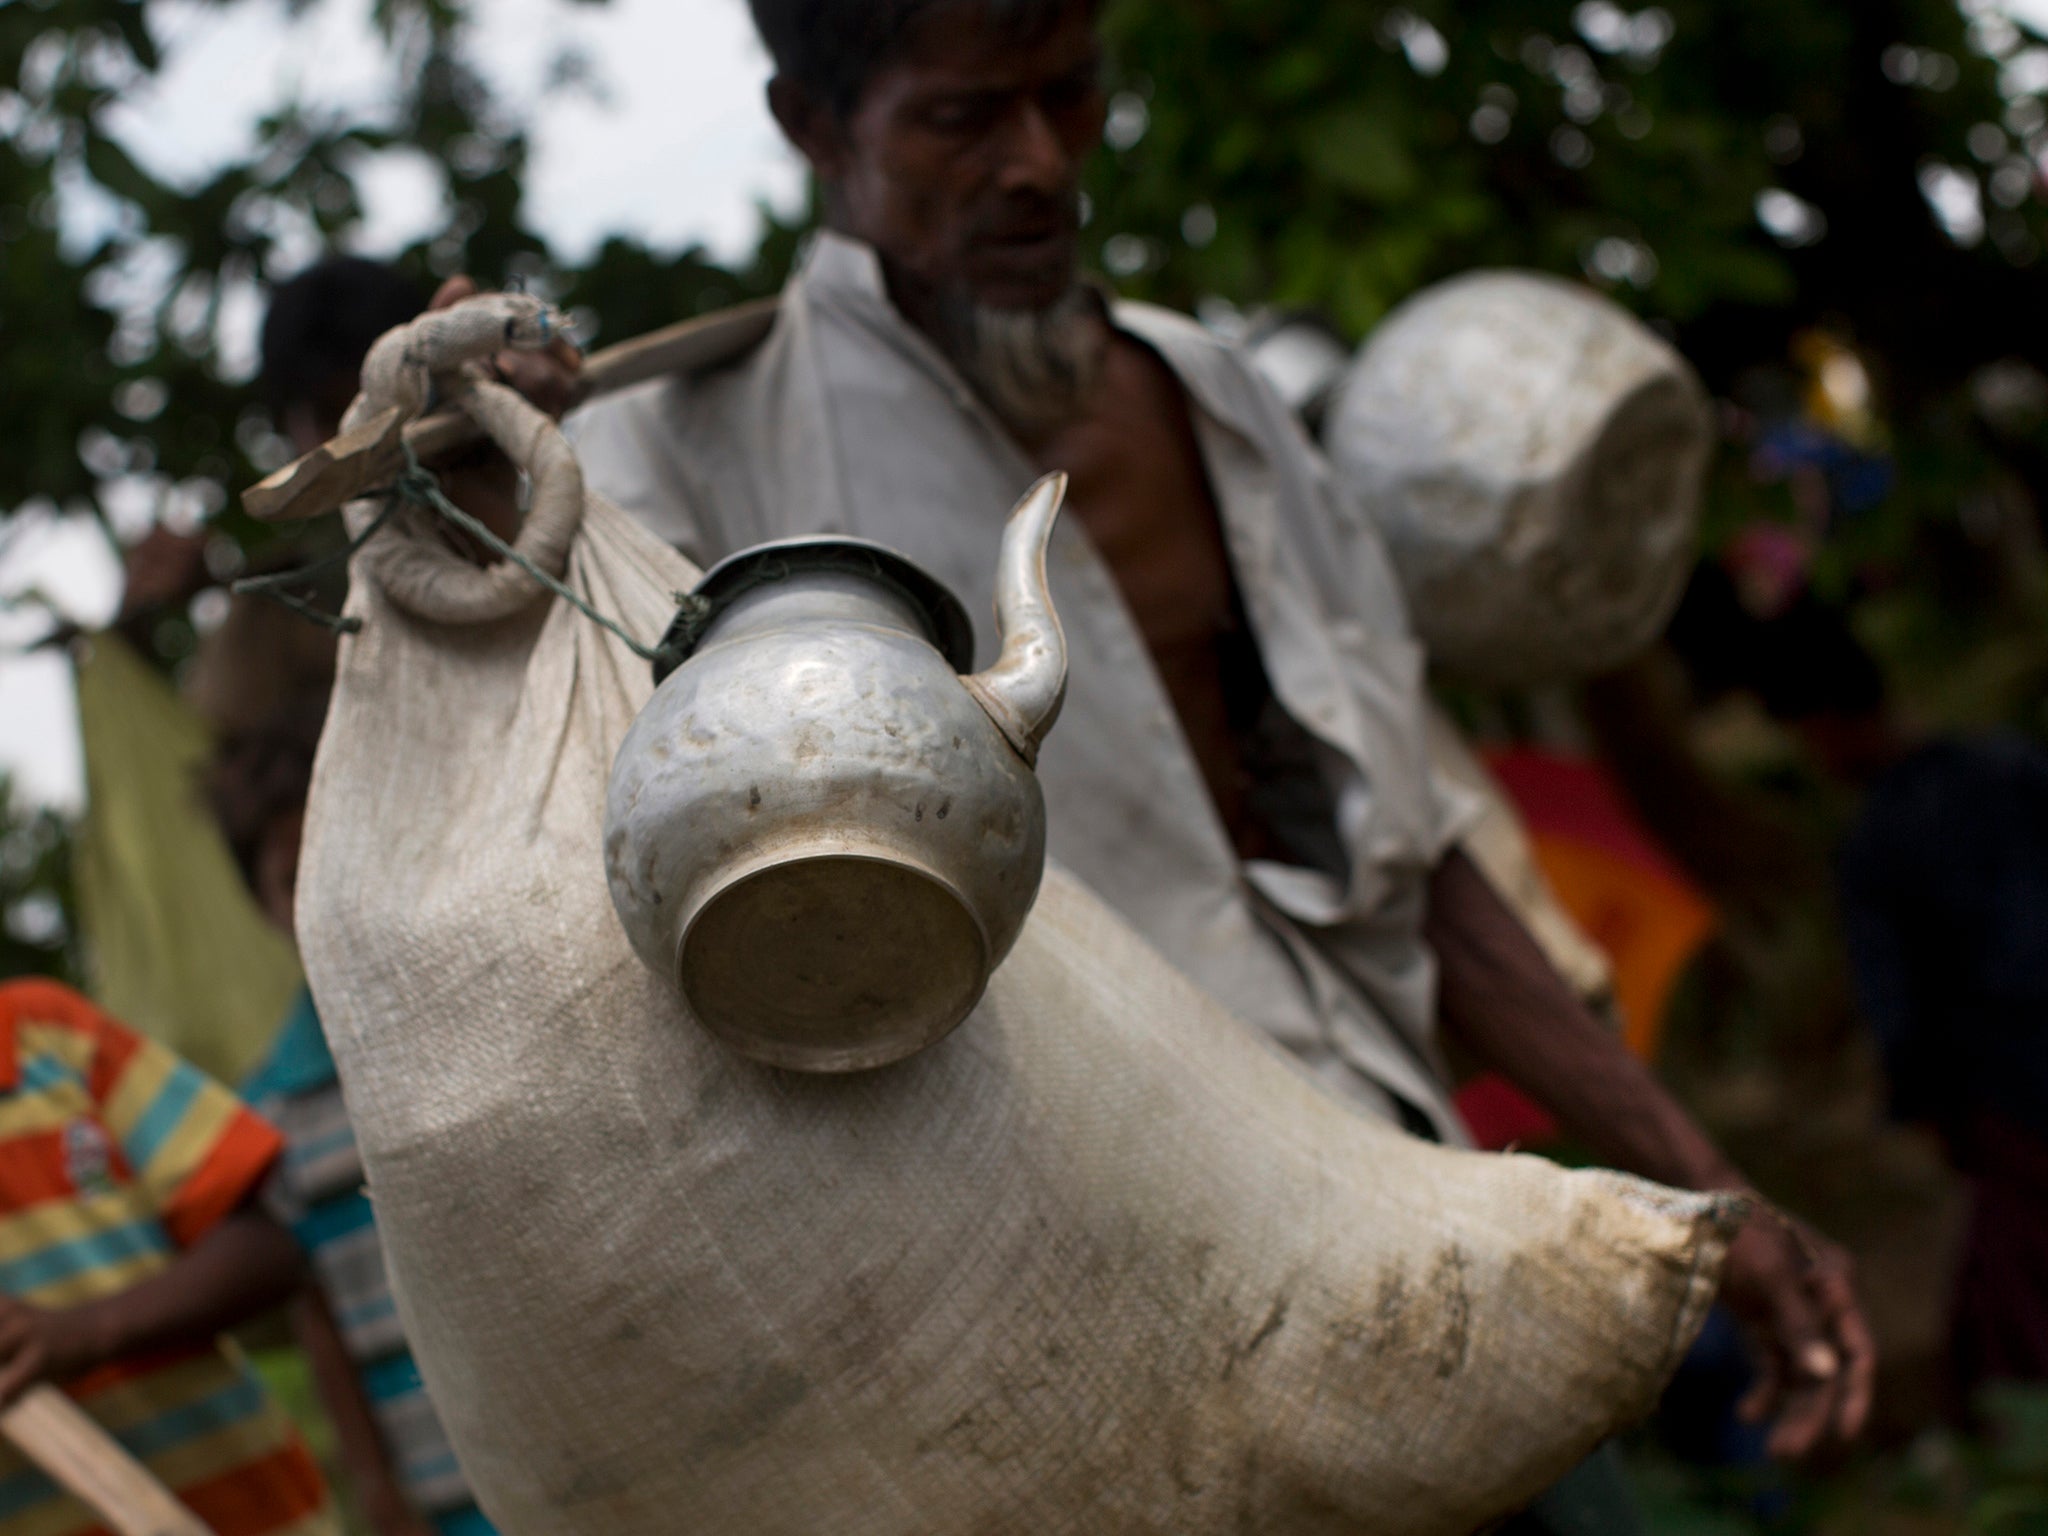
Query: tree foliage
(36, 936)
(120, 391)
(128, 301)
(1267, 152)
(1741, 172)
(1341, 157)
(1774, 183)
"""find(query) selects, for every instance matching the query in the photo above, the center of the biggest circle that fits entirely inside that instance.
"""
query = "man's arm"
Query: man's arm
(1503, 1003)
(242, 1267)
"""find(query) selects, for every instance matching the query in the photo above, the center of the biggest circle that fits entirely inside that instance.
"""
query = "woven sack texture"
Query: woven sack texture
(1102, 1261)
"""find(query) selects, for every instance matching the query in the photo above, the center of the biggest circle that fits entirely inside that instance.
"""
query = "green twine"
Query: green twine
(418, 485)
(278, 587)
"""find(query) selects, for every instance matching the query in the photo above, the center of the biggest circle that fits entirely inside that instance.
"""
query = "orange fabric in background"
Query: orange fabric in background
(1628, 896)
(1625, 891)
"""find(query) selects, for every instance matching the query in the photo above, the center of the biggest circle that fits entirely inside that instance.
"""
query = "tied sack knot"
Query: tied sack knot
(446, 353)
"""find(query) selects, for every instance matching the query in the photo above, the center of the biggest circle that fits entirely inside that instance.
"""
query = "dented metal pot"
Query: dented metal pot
(821, 832)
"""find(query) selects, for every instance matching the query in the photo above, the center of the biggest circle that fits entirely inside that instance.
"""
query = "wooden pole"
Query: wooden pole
(337, 472)
(58, 1436)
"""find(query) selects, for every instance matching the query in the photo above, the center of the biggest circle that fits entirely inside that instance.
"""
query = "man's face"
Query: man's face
(961, 161)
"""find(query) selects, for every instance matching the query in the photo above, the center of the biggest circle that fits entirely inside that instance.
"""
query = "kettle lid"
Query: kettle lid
(945, 621)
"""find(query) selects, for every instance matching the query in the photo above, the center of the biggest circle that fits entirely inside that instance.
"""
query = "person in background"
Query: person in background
(399, 1462)
(397, 1455)
(1942, 881)
(130, 1239)
(318, 327)
(324, 320)
(1944, 891)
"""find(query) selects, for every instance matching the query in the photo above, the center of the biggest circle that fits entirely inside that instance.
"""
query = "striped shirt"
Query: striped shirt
(114, 1154)
(319, 1190)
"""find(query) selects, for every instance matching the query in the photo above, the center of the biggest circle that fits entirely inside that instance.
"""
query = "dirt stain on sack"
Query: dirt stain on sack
(765, 1397)
(1447, 1285)
(1390, 1302)
(587, 1485)
(1432, 1320)
(1275, 1320)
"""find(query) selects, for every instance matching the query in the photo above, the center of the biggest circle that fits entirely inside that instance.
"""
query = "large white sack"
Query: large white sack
(1534, 456)
(1099, 1262)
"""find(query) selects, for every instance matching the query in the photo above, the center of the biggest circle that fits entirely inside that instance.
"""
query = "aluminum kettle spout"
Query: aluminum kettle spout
(1023, 691)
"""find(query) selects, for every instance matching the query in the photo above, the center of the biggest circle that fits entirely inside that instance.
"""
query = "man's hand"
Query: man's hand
(548, 377)
(244, 1266)
(1795, 1292)
(42, 1344)
(482, 481)
(1501, 1001)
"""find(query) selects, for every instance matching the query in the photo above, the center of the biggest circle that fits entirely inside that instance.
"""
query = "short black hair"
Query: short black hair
(322, 321)
(831, 48)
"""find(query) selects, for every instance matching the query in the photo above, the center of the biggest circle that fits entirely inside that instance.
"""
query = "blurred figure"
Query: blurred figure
(1943, 887)
(131, 1240)
(399, 1462)
(1944, 882)
(315, 334)
(319, 326)
(263, 678)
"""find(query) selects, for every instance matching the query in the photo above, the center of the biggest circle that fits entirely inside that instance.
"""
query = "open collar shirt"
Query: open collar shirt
(847, 420)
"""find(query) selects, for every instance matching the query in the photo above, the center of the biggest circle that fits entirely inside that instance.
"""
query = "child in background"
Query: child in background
(399, 1459)
(128, 1242)
(397, 1456)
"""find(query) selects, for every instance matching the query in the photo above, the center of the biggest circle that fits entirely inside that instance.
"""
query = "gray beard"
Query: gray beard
(1034, 368)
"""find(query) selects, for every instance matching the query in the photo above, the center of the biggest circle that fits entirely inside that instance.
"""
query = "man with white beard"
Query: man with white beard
(1241, 766)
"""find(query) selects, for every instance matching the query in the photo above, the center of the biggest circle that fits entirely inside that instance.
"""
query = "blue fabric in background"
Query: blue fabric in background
(321, 1195)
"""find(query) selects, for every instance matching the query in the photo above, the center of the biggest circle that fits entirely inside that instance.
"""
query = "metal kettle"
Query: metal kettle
(820, 831)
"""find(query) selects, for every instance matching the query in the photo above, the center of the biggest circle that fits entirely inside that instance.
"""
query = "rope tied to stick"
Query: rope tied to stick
(422, 575)
(419, 486)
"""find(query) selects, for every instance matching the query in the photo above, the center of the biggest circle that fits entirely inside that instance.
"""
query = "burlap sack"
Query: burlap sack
(1100, 1262)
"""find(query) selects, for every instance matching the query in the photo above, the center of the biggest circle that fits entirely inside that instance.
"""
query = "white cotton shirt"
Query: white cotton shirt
(846, 420)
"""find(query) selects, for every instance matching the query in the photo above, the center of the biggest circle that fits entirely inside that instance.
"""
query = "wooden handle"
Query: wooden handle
(58, 1436)
(337, 472)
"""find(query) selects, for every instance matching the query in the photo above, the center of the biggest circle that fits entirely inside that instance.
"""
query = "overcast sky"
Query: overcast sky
(675, 146)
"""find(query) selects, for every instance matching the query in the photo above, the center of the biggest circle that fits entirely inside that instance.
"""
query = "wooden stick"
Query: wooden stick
(339, 471)
(58, 1436)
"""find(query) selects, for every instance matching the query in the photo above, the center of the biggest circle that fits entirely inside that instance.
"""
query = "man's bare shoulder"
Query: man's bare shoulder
(1219, 374)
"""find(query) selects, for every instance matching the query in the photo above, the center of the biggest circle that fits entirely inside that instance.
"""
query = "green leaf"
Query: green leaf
(112, 168)
(1356, 151)
(131, 22)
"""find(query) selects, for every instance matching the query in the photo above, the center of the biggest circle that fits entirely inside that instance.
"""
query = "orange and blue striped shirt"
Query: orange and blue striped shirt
(114, 1154)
